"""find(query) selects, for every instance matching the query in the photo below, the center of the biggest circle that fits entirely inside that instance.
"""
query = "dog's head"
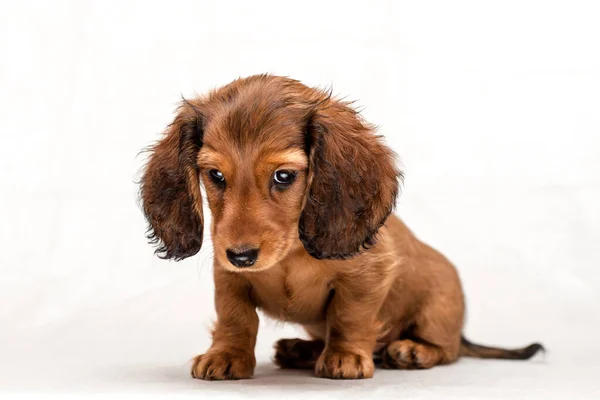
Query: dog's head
(279, 162)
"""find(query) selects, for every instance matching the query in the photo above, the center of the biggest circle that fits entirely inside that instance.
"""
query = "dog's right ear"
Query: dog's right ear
(170, 187)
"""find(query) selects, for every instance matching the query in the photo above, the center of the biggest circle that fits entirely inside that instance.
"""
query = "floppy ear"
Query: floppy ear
(170, 187)
(353, 183)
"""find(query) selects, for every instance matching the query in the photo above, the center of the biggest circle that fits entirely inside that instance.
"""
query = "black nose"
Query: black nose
(243, 257)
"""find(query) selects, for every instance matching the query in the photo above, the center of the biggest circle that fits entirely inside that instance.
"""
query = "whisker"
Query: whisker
(207, 258)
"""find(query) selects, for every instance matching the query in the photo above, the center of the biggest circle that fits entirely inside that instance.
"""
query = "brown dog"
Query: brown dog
(300, 187)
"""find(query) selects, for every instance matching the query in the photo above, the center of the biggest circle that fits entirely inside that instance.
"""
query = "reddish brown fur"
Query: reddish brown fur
(400, 300)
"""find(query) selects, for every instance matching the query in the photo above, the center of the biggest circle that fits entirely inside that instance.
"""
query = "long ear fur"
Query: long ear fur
(170, 187)
(353, 183)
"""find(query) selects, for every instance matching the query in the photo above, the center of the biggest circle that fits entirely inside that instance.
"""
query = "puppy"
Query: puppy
(301, 189)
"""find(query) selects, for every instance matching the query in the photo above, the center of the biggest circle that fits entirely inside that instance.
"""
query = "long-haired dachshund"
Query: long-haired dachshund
(301, 190)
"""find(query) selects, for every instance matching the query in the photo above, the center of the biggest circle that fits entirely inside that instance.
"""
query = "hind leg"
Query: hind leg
(408, 354)
(298, 353)
(434, 337)
(417, 352)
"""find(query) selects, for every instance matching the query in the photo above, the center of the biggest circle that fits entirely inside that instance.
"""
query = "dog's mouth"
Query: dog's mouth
(255, 259)
(256, 266)
(244, 259)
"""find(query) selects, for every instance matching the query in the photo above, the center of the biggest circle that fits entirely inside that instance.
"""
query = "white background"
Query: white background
(493, 108)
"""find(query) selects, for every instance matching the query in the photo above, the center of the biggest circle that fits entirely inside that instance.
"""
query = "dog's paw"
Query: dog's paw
(223, 365)
(344, 365)
(297, 353)
(406, 354)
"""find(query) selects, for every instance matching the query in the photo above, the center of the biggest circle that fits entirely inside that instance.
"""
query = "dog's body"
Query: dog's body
(414, 288)
(298, 184)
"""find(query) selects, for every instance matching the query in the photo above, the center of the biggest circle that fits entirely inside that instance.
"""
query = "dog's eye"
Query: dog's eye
(216, 176)
(284, 177)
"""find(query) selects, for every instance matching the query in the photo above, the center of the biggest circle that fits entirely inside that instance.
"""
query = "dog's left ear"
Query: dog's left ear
(352, 184)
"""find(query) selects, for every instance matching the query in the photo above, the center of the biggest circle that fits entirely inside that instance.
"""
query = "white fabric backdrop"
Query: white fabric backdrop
(492, 107)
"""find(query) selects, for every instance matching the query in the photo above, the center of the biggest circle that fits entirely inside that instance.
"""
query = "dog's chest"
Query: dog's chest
(293, 291)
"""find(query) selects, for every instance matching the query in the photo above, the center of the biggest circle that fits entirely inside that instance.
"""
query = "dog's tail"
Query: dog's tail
(468, 349)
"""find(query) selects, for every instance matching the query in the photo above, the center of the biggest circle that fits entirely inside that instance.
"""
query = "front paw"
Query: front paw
(223, 365)
(344, 365)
